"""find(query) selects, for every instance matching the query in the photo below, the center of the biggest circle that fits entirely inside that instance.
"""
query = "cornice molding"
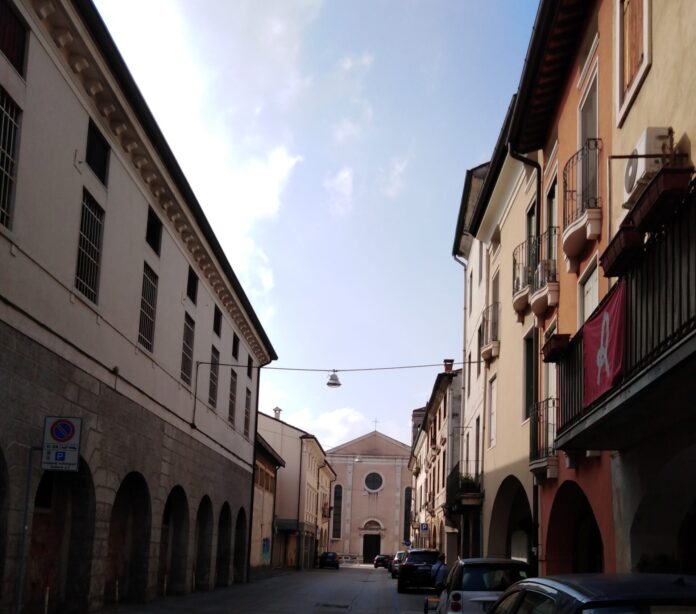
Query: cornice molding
(63, 27)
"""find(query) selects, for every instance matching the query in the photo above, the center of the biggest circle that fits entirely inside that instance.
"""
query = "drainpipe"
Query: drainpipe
(535, 349)
(462, 402)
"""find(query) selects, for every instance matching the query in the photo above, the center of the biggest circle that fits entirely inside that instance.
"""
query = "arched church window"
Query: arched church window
(338, 500)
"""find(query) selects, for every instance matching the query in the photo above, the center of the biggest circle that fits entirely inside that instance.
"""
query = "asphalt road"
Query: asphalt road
(358, 590)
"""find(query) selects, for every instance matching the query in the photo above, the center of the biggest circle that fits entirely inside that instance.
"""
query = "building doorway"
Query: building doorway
(371, 546)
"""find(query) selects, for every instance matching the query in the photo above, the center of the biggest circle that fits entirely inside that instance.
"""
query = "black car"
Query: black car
(328, 559)
(600, 594)
(382, 560)
(415, 569)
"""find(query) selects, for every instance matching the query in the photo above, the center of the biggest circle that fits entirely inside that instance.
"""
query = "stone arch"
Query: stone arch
(511, 526)
(203, 547)
(240, 546)
(129, 541)
(224, 546)
(62, 535)
(372, 524)
(174, 544)
(663, 537)
(4, 504)
(573, 539)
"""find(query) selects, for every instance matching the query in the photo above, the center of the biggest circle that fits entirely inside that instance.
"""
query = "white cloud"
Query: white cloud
(355, 63)
(340, 190)
(346, 130)
(394, 180)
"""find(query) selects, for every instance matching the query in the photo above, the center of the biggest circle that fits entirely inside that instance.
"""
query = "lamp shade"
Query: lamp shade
(333, 381)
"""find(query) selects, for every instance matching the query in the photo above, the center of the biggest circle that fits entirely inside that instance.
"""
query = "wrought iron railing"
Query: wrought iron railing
(660, 308)
(524, 259)
(459, 484)
(547, 255)
(581, 181)
(490, 320)
(542, 429)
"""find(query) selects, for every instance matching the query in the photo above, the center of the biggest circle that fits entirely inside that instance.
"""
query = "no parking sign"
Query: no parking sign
(61, 444)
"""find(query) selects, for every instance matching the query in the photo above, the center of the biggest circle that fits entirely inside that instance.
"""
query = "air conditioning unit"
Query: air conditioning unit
(639, 171)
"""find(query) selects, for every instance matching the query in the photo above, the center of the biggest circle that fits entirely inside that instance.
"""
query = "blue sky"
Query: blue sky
(327, 142)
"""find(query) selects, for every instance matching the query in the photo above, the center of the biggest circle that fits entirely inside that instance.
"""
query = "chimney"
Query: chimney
(276, 412)
(448, 364)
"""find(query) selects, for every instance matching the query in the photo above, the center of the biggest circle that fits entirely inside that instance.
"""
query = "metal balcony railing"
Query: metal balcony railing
(581, 181)
(543, 429)
(547, 255)
(490, 319)
(660, 308)
(524, 259)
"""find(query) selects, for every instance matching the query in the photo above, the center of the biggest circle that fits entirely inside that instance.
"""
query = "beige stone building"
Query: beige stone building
(372, 495)
(301, 517)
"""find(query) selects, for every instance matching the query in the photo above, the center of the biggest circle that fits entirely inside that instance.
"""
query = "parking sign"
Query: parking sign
(61, 444)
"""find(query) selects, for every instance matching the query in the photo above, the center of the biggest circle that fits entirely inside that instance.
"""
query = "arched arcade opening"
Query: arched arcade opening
(511, 529)
(173, 544)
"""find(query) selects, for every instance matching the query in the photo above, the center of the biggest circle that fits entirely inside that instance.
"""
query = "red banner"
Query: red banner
(603, 346)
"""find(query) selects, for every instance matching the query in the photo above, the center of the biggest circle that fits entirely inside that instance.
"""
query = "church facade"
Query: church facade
(371, 497)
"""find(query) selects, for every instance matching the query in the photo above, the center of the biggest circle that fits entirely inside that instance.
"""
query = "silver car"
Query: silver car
(396, 563)
(474, 583)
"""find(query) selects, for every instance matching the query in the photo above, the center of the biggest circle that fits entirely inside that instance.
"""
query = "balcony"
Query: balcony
(582, 215)
(523, 259)
(462, 491)
(545, 287)
(659, 352)
(543, 461)
(490, 347)
(326, 510)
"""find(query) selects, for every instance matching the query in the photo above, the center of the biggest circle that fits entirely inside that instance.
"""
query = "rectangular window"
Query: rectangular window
(247, 413)
(492, 400)
(480, 263)
(471, 289)
(232, 409)
(631, 41)
(589, 286)
(89, 247)
(187, 349)
(478, 353)
(214, 369)
(192, 286)
(528, 375)
(148, 306)
(13, 36)
(97, 154)
(217, 321)
(153, 233)
(235, 346)
(9, 142)
(250, 366)
(468, 375)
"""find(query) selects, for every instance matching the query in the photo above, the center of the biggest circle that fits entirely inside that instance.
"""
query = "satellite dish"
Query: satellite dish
(631, 173)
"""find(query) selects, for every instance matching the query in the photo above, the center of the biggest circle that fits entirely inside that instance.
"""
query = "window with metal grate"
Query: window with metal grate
(148, 306)
(9, 140)
(89, 247)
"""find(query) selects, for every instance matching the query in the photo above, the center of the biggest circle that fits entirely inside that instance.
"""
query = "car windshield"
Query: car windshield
(488, 577)
(422, 557)
(329, 555)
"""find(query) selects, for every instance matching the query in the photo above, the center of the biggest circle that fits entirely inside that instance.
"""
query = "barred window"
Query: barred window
(97, 153)
(214, 369)
(89, 247)
(9, 133)
(247, 413)
(13, 36)
(148, 305)
(235, 345)
(187, 348)
(153, 232)
(232, 410)
(250, 366)
(217, 321)
(192, 286)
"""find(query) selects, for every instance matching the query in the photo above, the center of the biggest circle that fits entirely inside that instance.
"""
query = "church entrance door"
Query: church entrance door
(371, 545)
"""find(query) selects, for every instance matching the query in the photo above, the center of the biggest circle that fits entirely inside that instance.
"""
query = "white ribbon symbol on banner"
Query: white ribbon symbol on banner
(602, 352)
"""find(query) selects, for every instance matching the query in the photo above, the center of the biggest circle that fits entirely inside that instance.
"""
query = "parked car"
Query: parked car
(415, 568)
(382, 560)
(472, 583)
(328, 559)
(396, 563)
(601, 594)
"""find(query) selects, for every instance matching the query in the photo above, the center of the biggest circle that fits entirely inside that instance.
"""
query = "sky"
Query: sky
(327, 142)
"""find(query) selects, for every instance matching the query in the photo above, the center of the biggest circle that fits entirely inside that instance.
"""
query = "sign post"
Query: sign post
(61, 444)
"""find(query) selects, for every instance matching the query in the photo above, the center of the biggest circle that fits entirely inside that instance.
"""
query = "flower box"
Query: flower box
(660, 198)
(623, 251)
